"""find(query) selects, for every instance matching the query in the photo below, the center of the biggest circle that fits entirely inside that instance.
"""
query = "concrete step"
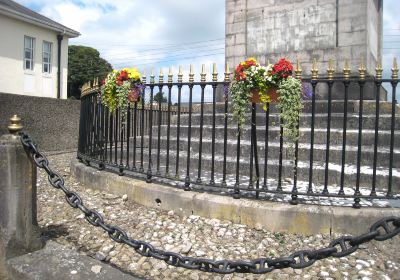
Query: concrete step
(321, 106)
(368, 135)
(335, 154)
(305, 120)
(272, 167)
(55, 261)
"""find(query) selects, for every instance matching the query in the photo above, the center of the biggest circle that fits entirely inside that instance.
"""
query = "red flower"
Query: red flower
(283, 68)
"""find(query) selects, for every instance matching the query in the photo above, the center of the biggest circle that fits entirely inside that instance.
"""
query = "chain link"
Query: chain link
(382, 230)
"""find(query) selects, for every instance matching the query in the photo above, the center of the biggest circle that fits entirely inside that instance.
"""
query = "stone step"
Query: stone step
(335, 154)
(321, 106)
(368, 135)
(287, 167)
(305, 120)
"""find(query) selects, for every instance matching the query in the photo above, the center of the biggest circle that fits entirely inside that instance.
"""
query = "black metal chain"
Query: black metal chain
(382, 230)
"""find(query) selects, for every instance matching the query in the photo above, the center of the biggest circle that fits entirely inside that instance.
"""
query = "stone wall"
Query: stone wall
(53, 123)
(308, 29)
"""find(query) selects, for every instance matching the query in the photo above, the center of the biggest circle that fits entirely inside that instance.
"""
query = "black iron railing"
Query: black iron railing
(349, 147)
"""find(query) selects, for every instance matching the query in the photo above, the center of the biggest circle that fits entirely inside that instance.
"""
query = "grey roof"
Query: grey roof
(15, 10)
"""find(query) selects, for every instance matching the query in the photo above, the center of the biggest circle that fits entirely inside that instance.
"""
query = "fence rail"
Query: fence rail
(349, 146)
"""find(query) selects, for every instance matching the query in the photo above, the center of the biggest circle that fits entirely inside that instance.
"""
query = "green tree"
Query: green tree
(160, 96)
(84, 64)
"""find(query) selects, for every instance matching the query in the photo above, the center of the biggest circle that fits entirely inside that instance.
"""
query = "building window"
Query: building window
(47, 57)
(29, 43)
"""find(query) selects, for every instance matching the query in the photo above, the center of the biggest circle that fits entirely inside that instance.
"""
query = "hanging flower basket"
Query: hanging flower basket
(262, 85)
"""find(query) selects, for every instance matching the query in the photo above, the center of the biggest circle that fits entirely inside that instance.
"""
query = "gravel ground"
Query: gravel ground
(193, 236)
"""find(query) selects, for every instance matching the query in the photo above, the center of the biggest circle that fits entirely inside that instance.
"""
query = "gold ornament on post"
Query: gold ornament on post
(152, 76)
(331, 70)
(170, 75)
(298, 69)
(191, 74)
(395, 70)
(227, 73)
(144, 76)
(362, 70)
(15, 125)
(161, 76)
(180, 74)
(379, 69)
(346, 70)
(203, 73)
(215, 73)
(314, 70)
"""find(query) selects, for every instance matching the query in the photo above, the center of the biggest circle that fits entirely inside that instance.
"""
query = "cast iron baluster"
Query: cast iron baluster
(203, 80)
(107, 130)
(134, 136)
(189, 133)
(328, 127)
(128, 135)
(141, 168)
(254, 151)
(361, 82)
(226, 94)
(314, 82)
(168, 120)
(236, 193)
(116, 136)
(346, 74)
(377, 100)
(394, 82)
(150, 127)
(214, 86)
(160, 81)
(265, 184)
(102, 127)
(279, 188)
(121, 140)
(294, 200)
(178, 129)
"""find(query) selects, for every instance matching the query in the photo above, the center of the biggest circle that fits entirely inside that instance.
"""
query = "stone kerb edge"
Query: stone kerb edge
(281, 217)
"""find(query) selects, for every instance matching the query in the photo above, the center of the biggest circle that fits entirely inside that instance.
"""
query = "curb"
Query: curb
(272, 216)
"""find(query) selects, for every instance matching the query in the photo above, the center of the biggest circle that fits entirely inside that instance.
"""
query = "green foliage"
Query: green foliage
(160, 96)
(289, 102)
(84, 64)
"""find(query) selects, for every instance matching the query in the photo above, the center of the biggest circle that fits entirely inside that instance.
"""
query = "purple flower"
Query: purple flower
(226, 91)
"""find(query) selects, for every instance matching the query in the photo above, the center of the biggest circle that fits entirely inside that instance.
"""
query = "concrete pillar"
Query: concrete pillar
(19, 231)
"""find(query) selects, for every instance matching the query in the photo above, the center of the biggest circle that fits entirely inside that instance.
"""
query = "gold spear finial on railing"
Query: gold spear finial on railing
(395, 70)
(215, 73)
(362, 70)
(203, 73)
(170, 75)
(180, 74)
(227, 73)
(346, 69)
(379, 69)
(298, 69)
(161, 76)
(15, 125)
(191, 74)
(330, 70)
(144, 79)
(152, 76)
(314, 70)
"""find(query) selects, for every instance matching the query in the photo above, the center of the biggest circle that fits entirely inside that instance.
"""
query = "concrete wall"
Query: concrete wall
(13, 78)
(53, 123)
(308, 29)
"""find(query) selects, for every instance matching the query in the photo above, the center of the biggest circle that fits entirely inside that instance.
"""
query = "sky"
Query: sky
(163, 33)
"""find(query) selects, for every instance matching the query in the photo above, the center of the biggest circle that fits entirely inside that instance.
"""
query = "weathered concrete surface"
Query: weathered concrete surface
(52, 123)
(19, 231)
(272, 216)
(56, 262)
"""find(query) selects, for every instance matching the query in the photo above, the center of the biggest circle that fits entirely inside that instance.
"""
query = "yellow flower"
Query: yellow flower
(252, 59)
(134, 74)
(243, 63)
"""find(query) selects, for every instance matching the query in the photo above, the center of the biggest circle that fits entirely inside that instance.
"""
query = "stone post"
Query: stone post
(19, 231)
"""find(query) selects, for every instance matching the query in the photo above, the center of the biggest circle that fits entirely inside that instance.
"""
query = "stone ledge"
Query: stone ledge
(57, 262)
(282, 217)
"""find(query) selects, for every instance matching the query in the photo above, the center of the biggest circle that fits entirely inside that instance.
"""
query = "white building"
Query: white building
(33, 52)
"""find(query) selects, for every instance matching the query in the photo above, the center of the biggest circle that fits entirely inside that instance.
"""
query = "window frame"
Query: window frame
(49, 57)
(31, 50)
